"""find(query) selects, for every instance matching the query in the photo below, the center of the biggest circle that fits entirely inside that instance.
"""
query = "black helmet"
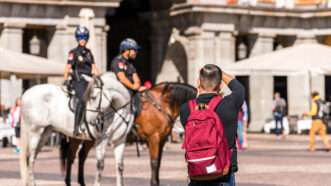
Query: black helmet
(82, 33)
(129, 44)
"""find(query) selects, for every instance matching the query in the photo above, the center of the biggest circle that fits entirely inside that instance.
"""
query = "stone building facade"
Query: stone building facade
(177, 38)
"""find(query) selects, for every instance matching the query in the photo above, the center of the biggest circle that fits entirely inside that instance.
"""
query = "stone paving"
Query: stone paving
(268, 162)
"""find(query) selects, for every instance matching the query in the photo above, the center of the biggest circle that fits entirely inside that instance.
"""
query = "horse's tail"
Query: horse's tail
(24, 154)
(64, 147)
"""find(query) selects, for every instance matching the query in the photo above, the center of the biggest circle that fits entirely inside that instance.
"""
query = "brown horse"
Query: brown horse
(160, 107)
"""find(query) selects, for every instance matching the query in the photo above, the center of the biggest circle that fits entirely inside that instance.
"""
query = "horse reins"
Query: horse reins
(102, 114)
(158, 106)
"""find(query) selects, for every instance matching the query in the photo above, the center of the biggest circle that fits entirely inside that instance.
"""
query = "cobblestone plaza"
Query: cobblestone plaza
(269, 161)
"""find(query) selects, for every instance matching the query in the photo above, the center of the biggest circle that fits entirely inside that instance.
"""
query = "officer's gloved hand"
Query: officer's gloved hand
(66, 83)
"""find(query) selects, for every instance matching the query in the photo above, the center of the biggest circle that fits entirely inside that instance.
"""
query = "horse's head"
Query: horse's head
(106, 92)
(176, 94)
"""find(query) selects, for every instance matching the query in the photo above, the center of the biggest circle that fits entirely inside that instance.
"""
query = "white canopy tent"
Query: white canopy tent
(305, 66)
(26, 66)
(303, 58)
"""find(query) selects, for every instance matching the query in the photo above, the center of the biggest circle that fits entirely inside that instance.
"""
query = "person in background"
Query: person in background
(242, 127)
(15, 122)
(317, 123)
(279, 110)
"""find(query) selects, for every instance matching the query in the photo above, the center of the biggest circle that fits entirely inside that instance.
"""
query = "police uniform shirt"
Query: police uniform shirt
(81, 59)
(120, 64)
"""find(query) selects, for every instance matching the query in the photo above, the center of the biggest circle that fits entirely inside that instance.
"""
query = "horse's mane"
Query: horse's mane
(177, 93)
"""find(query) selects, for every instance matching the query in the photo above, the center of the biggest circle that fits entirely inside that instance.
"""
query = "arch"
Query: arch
(175, 65)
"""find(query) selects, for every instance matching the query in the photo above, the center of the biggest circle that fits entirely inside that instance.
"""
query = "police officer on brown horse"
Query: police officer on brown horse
(80, 62)
(122, 66)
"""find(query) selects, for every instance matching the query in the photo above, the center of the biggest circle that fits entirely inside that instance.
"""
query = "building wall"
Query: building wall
(211, 32)
(57, 21)
(182, 36)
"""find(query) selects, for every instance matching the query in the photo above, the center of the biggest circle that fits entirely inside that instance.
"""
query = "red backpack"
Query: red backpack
(206, 147)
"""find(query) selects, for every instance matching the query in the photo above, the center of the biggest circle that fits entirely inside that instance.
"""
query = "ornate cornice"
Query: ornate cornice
(89, 3)
(180, 9)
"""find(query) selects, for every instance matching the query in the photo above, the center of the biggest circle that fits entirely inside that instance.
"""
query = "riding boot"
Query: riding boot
(78, 117)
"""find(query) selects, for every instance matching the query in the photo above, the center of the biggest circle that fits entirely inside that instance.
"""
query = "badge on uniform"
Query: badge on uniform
(71, 56)
(121, 66)
(80, 59)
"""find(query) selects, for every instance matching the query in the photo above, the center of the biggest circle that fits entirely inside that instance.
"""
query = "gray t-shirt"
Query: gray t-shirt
(279, 106)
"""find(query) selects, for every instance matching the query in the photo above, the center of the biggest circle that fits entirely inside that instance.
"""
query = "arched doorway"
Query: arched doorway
(174, 67)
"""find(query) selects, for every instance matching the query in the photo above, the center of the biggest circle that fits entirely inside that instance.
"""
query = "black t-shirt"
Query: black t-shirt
(120, 64)
(227, 110)
(81, 59)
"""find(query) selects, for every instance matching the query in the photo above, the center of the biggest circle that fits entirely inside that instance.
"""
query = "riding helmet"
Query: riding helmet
(129, 44)
(82, 33)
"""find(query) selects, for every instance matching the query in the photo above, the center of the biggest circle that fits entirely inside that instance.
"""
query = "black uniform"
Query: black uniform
(227, 110)
(120, 64)
(81, 60)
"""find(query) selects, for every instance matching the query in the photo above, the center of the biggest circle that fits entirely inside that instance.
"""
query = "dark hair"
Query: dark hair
(314, 94)
(210, 77)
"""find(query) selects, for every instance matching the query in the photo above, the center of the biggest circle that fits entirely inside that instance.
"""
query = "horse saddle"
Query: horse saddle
(136, 104)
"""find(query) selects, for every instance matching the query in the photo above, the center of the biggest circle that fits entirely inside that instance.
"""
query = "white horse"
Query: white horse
(45, 109)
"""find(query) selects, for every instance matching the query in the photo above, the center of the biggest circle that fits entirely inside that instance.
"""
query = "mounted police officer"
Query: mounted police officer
(80, 62)
(122, 66)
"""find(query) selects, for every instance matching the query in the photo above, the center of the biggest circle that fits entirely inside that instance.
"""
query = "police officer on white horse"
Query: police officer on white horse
(80, 62)
(122, 66)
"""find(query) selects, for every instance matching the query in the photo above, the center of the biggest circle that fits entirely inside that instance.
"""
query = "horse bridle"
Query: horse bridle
(158, 106)
(152, 100)
(101, 114)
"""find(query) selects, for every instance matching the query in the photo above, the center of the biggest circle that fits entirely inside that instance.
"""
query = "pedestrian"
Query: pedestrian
(242, 127)
(318, 125)
(279, 111)
(217, 114)
(15, 122)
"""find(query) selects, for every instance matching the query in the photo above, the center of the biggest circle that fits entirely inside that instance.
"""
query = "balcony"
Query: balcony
(281, 4)
(90, 3)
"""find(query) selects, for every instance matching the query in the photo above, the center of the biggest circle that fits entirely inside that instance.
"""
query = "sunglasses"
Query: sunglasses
(79, 38)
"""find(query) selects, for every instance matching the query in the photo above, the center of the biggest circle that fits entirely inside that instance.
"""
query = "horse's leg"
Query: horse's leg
(37, 140)
(87, 145)
(100, 156)
(154, 148)
(73, 147)
(119, 156)
(159, 159)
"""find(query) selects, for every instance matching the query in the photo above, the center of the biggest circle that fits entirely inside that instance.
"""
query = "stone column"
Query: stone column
(101, 48)
(11, 38)
(201, 51)
(298, 94)
(263, 44)
(225, 48)
(60, 44)
(260, 100)
(318, 84)
(300, 86)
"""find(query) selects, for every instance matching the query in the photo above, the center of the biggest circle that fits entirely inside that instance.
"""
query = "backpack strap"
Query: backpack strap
(192, 104)
(214, 102)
